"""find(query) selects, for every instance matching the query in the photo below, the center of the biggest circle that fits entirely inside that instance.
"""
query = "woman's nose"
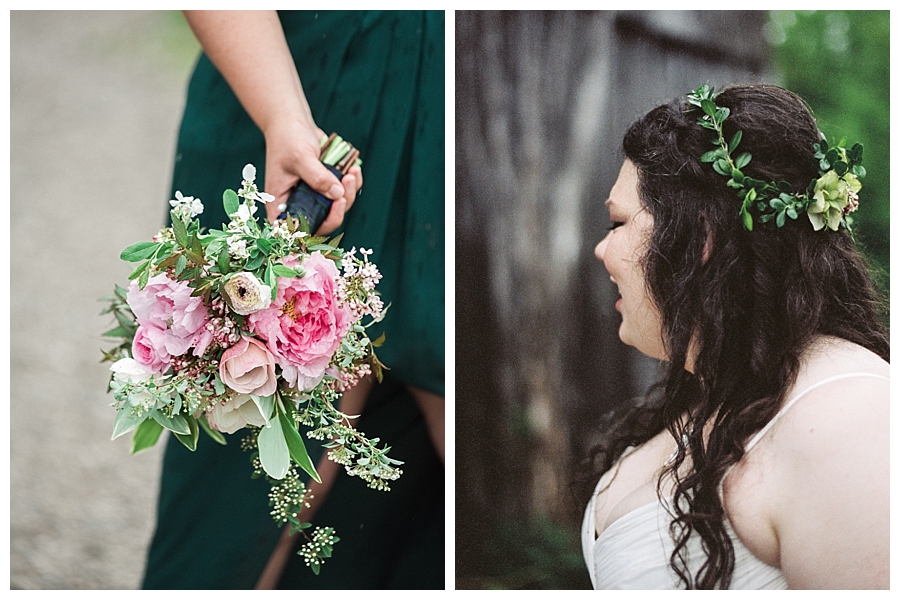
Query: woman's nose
(600, 249)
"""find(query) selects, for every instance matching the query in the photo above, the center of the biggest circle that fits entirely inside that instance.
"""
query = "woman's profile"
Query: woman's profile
(762, 459)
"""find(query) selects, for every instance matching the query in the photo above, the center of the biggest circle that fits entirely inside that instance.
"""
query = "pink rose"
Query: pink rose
(168, 306)
(149, 348)
(248, 368)
(305, 324)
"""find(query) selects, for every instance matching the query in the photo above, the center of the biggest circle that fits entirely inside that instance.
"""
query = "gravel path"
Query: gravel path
(95, 100)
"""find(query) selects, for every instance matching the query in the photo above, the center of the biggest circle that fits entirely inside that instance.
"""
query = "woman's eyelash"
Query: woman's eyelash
(614, 225)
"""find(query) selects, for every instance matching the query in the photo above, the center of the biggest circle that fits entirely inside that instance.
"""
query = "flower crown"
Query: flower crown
(827, 201)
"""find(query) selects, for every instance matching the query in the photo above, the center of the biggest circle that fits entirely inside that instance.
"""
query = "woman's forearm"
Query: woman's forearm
(250, 50)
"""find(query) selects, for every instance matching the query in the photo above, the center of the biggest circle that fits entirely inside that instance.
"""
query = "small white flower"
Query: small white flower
(249, 173)
(237, 247)
(243, 212)
(128, 369)
(264, 197)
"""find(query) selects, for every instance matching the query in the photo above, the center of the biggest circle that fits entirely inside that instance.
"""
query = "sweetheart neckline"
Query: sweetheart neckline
(624, 517)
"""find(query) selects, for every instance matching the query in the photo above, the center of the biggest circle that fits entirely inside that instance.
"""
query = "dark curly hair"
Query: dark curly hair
(746, 312)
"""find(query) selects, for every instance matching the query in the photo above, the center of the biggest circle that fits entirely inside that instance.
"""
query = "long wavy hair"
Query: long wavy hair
(744, 304)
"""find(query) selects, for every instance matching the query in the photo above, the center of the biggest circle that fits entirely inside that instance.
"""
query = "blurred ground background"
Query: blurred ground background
(95, 102)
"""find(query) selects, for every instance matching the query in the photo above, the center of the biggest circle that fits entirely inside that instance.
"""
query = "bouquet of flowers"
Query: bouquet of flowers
(257, 327)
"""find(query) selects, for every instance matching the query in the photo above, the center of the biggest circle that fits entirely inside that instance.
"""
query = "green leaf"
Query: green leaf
(180, 231)
(144, 278)
(139, 251)
(180, 264)
(710, 156)
(273, 449)
(265, 404)
(256, 259)
(125, 422)
(264, 245)
(735, 141)
(224, 260)
(175, 424)
(138, 271)
(146, 435)
(708, 106)
(742, 160)
(779, 219)
(217, 436)
(722, 167)
(297, 448)
(119, 332)
(230, 202)
(840, 167)
(747, 218)
(190, 440)
(283, 271)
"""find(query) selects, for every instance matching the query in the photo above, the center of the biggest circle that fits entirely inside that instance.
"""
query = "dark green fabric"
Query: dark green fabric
(377, 79)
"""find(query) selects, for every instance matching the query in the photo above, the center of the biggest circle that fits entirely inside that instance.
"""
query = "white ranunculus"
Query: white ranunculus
(234, 414)
(130, 370)
(246, 294)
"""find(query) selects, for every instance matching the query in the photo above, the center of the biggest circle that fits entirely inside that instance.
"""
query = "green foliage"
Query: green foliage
(537, 554)
(826, 200)
(839, 62)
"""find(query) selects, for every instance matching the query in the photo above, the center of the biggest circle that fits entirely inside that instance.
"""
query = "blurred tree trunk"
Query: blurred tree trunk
(542, 102)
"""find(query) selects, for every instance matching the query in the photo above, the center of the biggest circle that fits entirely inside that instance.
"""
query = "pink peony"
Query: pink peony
(248, 368)
(167, 306)
(304, 325)
(149, 348)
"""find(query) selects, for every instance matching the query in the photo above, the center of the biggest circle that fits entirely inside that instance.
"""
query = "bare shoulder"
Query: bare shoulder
(832, 447)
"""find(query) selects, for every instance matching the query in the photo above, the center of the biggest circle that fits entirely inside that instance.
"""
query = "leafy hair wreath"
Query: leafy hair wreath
(827, 201)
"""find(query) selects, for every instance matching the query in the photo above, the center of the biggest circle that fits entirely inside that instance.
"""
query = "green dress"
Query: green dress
(377, 79)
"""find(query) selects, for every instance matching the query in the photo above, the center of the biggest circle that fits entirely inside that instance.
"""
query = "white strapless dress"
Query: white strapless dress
(634, 551)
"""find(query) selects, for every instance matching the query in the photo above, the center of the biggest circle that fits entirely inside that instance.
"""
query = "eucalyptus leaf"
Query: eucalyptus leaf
(146, 435)
(176, 424)
(265, 404)
(217, 436)
(297, 448)
(125, 422)
(273, 449)
(190, 440)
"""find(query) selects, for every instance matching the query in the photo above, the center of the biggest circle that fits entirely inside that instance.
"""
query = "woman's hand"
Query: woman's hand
(292, 153)
(250, 51)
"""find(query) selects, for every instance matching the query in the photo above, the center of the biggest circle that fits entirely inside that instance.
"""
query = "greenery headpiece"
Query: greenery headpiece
(827, 201)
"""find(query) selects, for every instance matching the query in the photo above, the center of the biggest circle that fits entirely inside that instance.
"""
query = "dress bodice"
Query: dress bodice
(634, 551)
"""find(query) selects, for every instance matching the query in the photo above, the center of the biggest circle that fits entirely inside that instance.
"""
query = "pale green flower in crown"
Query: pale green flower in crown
(833, 198)
(827, 201)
